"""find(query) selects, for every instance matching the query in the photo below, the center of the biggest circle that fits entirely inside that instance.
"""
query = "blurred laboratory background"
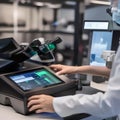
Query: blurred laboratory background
(25, 20)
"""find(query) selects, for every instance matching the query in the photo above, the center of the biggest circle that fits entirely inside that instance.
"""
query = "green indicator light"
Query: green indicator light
(48, 47)
(51, 46)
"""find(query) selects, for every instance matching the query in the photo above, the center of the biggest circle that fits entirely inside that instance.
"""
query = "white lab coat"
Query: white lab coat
(99, 105)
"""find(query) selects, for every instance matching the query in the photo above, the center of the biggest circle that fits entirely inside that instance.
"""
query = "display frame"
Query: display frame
(96, 22)
(17, 87)
(90, 43)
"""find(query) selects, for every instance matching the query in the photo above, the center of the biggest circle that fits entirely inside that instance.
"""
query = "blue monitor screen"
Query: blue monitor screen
(101, 41)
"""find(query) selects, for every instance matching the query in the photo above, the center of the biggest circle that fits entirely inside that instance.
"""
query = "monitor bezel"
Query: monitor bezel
(30, 70)
(97, 21)
(90, 43)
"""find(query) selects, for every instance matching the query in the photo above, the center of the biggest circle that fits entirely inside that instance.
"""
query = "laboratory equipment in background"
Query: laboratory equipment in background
(22, 77)
(108, 56)
(100, 28)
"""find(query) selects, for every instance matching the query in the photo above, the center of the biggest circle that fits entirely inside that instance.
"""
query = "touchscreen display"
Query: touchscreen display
(37, 78)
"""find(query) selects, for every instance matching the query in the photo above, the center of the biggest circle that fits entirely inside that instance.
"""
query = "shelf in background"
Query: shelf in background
(37, 31)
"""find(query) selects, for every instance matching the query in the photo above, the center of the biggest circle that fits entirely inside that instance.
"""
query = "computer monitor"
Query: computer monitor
(101, 41)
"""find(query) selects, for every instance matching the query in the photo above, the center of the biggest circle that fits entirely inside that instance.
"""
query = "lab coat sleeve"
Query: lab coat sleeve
(99, 105)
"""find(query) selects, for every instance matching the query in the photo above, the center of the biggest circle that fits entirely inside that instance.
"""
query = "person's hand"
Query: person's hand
(63, 69)
(40, 103)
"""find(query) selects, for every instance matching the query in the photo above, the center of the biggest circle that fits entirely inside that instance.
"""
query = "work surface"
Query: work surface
(8, 113)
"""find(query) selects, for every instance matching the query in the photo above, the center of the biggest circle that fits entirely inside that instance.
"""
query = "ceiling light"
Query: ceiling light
(70, 3)
(100, 2)
(23, 1)
(40, 4)
(53, 5)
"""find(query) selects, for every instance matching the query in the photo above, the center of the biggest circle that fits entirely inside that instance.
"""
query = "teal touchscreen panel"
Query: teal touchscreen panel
(36, 78)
